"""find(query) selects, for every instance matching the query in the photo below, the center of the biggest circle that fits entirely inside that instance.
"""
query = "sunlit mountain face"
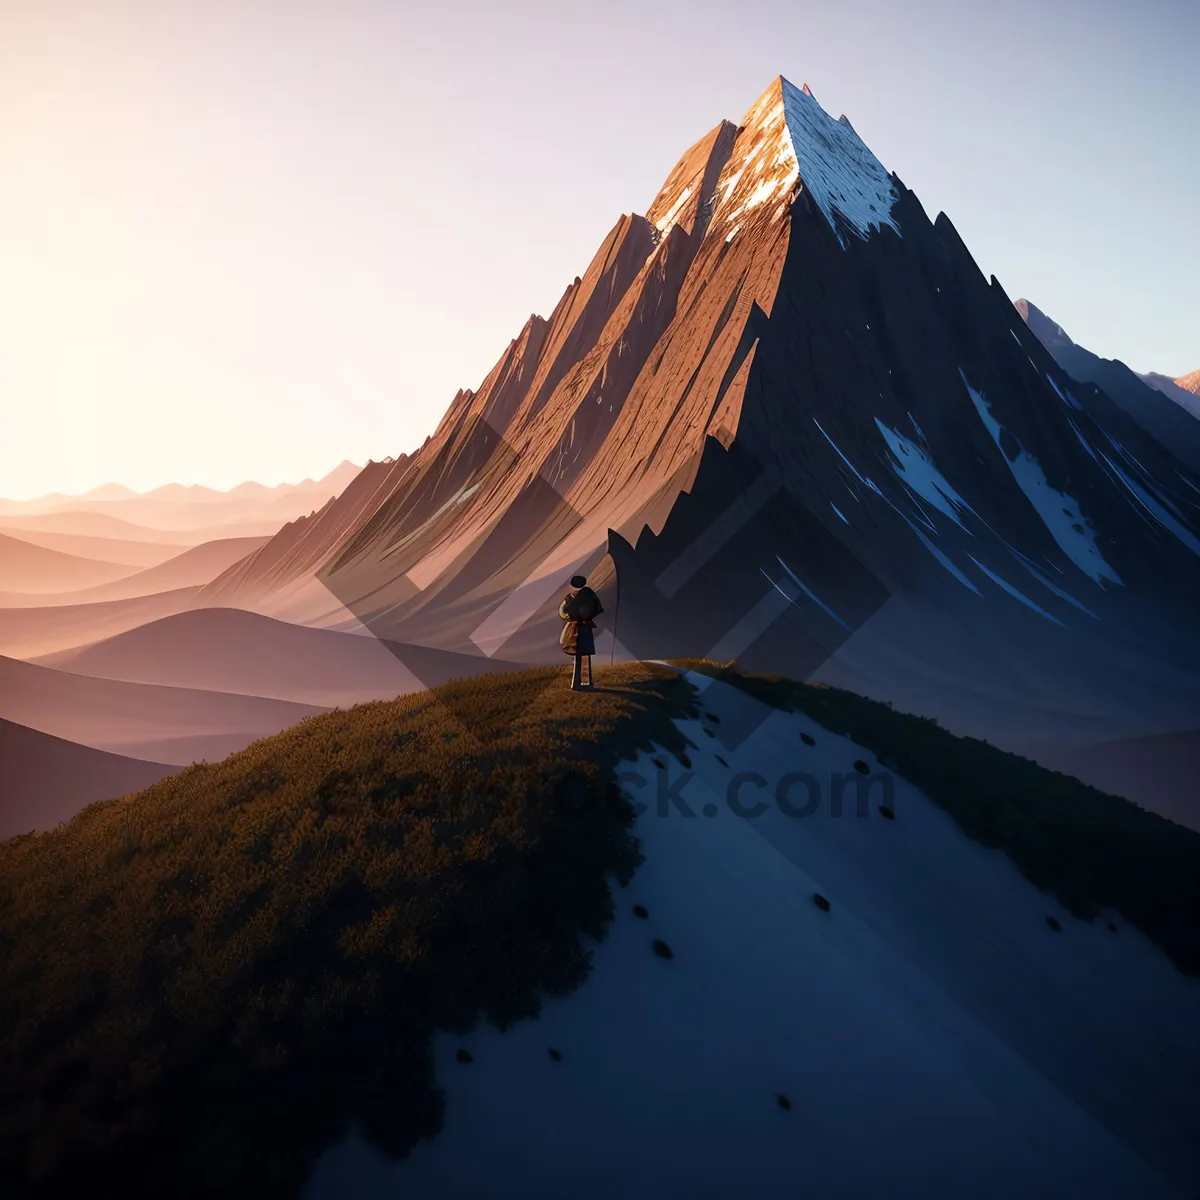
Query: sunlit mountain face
(786, 416)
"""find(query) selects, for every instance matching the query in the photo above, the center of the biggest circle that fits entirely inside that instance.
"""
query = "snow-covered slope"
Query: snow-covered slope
(932, 1033)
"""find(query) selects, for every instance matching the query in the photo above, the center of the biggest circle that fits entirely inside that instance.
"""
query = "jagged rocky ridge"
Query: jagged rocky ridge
(1169, 413)
(788, 415)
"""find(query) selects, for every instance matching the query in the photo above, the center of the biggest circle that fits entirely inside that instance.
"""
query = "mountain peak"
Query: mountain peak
(1047, 331)
(1190, 382)
(685, 198)
(787, 138)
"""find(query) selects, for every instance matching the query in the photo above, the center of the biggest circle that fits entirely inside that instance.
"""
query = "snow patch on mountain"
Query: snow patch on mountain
(861, 479)
(1060, 512)
(791, 139)
(669, 218)
(1155, 507)
(912, 464)
(810, 594)
(1065, 397)
(931, 1036)
(836, 166)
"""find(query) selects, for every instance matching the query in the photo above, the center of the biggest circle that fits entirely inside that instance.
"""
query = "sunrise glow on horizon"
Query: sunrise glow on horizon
(249, 241)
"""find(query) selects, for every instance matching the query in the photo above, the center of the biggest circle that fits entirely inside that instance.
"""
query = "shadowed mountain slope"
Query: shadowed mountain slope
(1174, 389)
(1167, 413)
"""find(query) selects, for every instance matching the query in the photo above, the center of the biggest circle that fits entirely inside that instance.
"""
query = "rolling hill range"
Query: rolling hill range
(26, 567)
(785, 419)
(230, 650)
(29, 632)
(191, 568)
(47, 780)
(135, 554)
(166, 724)
(179, 508)
(100, 524)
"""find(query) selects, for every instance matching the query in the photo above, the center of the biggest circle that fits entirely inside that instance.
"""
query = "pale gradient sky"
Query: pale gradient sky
(250, 239)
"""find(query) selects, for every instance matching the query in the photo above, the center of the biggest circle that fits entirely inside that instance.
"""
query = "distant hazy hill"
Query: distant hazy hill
(30, 632)
(25, 567)
(182, 507)
(166, 724)
(192, 568)
(230, 650)
(46, 780)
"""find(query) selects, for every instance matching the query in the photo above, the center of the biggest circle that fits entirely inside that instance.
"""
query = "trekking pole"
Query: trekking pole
(616, 613)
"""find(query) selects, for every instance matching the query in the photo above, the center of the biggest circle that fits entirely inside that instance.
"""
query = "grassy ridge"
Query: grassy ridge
(1090, 849)
(202, 984)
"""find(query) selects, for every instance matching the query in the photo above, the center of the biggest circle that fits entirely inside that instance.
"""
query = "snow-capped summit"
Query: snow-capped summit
(789, 395)
(788, 138)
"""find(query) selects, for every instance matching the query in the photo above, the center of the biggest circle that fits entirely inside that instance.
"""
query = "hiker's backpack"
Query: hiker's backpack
(584, 605)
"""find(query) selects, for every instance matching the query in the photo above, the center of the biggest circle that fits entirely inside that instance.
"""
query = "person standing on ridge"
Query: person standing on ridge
(579, 609)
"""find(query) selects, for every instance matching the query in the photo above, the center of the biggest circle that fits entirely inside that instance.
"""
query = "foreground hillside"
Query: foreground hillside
(207, 985)
(211, 978)
(832, 1006)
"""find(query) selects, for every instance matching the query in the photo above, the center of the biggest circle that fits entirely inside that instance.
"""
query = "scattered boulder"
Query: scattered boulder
(639, 910)
(861, 767)
(556, 1055)
(820, 902)
(662, 949)
(783, 1102)
(1054, 924)
(465, 1056)
(886, 813)
(808, 740)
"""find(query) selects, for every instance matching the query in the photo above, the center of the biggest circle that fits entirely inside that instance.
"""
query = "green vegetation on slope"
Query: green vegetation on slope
(203, 985)
(1090, 849)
